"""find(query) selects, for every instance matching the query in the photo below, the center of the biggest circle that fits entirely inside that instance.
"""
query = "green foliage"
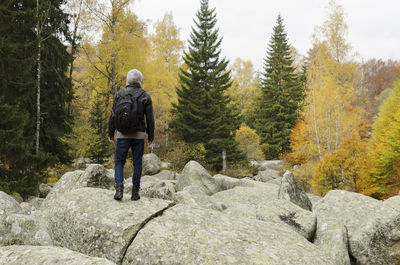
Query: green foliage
(282, 92)
(181, 153)
(97, 144)
(21, 170)
(204, 114)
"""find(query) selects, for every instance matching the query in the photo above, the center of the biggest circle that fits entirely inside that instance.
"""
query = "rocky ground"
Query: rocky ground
(196, 218)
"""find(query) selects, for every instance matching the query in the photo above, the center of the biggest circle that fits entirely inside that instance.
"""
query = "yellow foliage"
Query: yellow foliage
(385, 144)
(249, 141)
(345, 168)
(244, 90)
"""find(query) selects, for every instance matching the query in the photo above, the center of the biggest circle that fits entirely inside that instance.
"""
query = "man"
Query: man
(127, 123)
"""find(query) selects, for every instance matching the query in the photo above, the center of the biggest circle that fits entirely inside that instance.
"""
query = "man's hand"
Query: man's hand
(150, 143)
(111, 140)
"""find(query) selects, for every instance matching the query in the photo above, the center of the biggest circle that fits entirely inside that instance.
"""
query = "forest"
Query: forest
(332, 117)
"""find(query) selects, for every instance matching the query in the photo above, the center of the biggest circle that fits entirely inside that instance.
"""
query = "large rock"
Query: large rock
(314, 198)
(161, 189)
(195, 196)
(34, 255)
(44, 189)
(393, 202)
(166, 175)
(90, 221)
(21, 229)
(153, 187)
(95, 176)
(31, 206)
(225, 183)
(373, 226)
(331, 237)
(8, 205)
(195, 174)
(279, 212)
(151, 164)
(282, 211)
(260, 194)
(266, 175)
(277, 181)
(189, 235)
(290, 190)
(270, 164)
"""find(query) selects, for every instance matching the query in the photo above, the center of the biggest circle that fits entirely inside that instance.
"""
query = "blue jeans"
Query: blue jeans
(122, 148)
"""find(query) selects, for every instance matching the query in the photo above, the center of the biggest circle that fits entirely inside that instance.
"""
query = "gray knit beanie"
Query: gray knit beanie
(134, 76)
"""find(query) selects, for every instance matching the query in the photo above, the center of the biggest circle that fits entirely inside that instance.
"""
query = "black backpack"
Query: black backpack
(127, 111)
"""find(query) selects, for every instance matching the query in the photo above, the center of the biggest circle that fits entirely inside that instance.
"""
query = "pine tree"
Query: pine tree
(203, 113)
(282, 92)
(98, 146)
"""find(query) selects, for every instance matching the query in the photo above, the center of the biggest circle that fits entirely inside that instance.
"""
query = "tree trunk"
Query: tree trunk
(315, 126)
(39, 72)
(223, 161)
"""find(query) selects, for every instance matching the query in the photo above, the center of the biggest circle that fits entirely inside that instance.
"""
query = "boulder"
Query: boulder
(190, 235)
(373, 226)
(314, 198)
(166, 175)
(393, 202)
(152, 187)
(279, 212)
(95, 176)
(26, 208)
(46, 255)
(195, 196)
(260, 194)
(224, 182)
(270, 164)
(21, 229)
(266, 175)
(8, 205)
(69, 181)
(248, 182)
(282, 211)
(162, 189)
(36, 202)
(31, 206)
(90, 221)
(331, 237)
(151, 164)
(195, 174)
(277, 181)
(290, 190)
(44, 189)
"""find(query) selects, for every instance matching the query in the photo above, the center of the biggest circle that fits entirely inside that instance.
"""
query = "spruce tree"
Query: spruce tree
(282, 93)
(20, 168)
(204, 114)
(98, 145)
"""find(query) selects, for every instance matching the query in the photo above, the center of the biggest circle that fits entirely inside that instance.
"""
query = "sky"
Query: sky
(246, 26)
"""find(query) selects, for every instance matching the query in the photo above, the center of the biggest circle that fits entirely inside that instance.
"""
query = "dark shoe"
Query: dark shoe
(119, 192)
(135, 194)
